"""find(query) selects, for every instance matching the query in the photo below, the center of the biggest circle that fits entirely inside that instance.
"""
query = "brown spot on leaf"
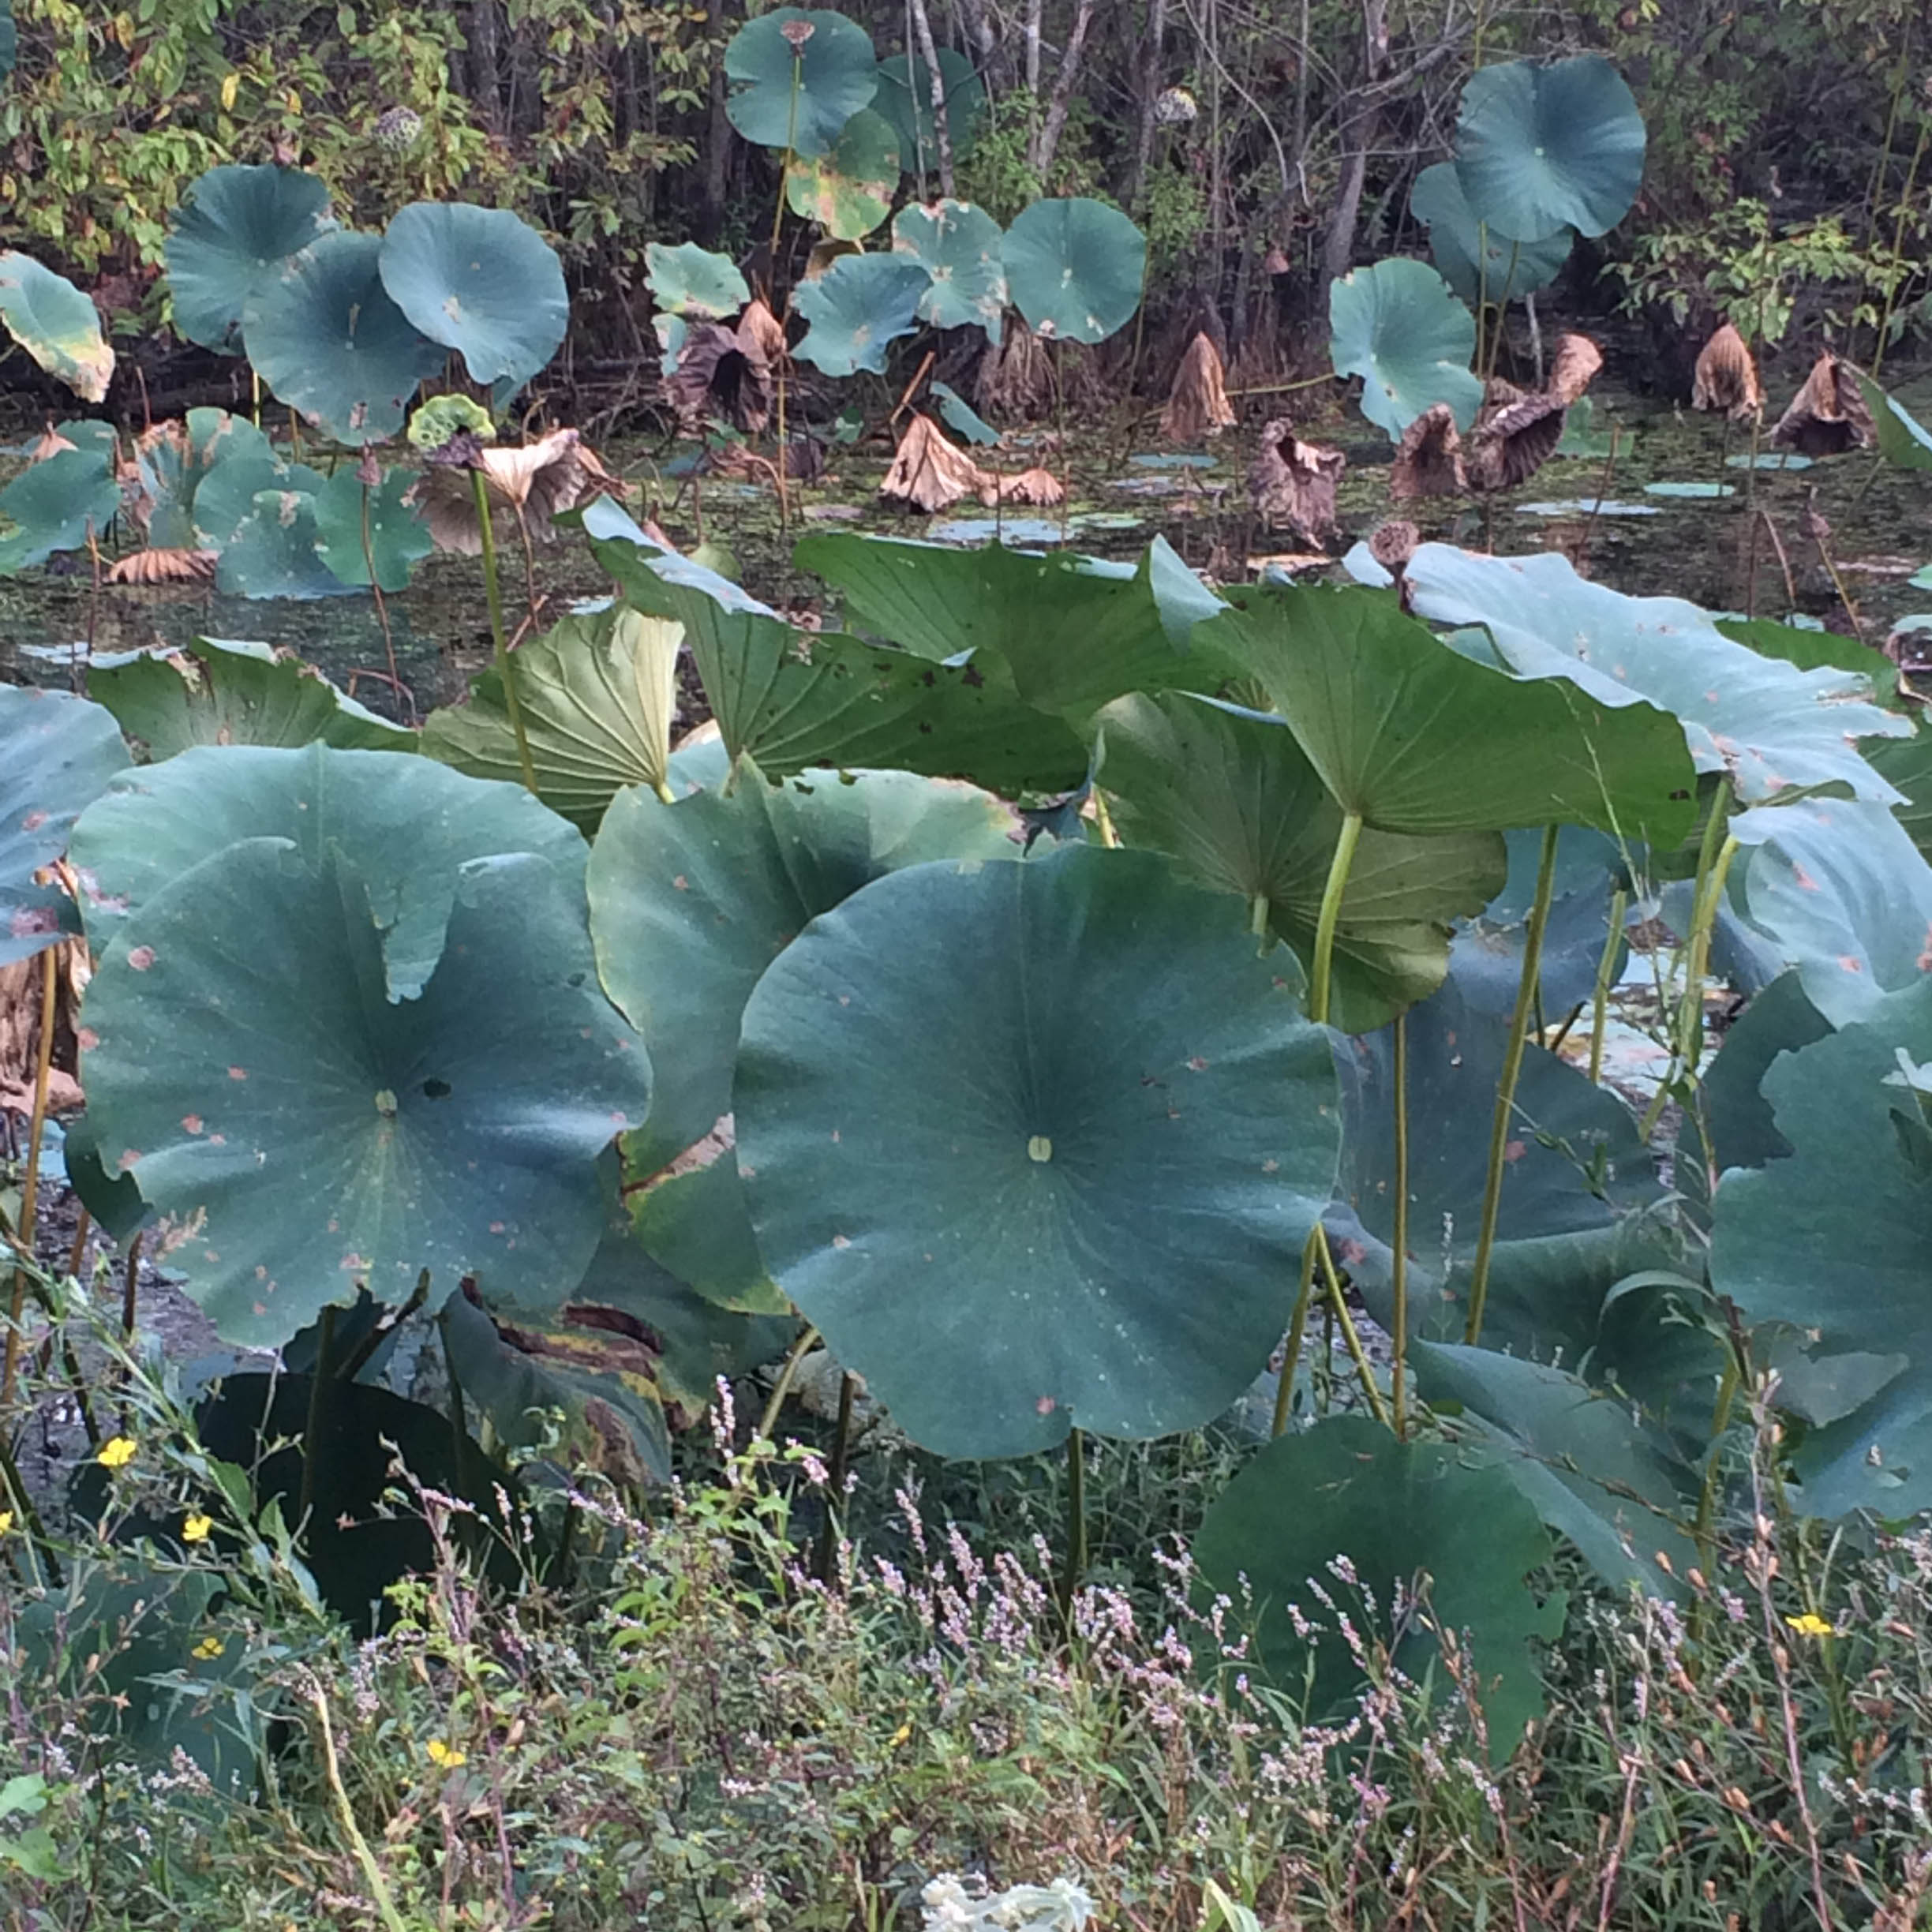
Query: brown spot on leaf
(128, 1157)
(237, 1072)
(140, 958)
(192, 1122)
(1515, 1151)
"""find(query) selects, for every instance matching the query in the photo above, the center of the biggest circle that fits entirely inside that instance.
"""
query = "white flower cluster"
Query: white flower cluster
(953, 1904)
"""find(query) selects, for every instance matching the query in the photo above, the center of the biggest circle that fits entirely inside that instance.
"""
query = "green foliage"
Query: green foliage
(55, 324)
(849, 189)
(958, 245)
(857, 309)
(1478, 263)
(904, 98)
(1398, 327)
(228, 240)
(796, 90)
(1076, 268)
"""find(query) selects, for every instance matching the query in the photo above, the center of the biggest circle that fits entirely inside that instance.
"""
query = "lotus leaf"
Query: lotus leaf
(1481, 266)
(1488, 950)
(56, 505)
(691, 1220)
(1738, 1118)
(687, 280)
(598, 694)
(1540, 149)
(1390, 717)
(1230, 795)
(959, 246)
(849, 189)
(1416, 1525)
(1903, 439)
(1813, 650)
(356, 526)
(480, 280)
(904, 98)
(1075, 268)
(56, 324)
(224, 498)
(857, 308)
(962, 419)
(325, 335)
(229, 239)
(975, 1131)
(1398, 326)
(174, 460)
(216, 692)
(61, 752)
(275, 551)
(1769, 724)
(796, 89)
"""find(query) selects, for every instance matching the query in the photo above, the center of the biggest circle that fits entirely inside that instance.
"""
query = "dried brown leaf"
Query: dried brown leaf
(1726, 377)
(927, 471)
(1030, 486)
(1428, 459)
(164, 567)
(1572, 368)
(1292, 484)
(1197, 404)
(1828, 416)
(538, 481)
(724, 372)
(1514, 436)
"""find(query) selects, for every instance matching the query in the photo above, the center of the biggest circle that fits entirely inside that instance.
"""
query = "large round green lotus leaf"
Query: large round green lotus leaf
(480, 280)
(302, 1135)
(56, 324)
(216, 692)
(1075, 268)
(1020, 1185)
(1480, 265)
(1767, 724)
(801, 76)
(688, 280)
(176, 460)
(56, 505)
(691, 1219)
(598, 694)
(393, 536)
(904, 98)
(959, 246)
(1417, 738)
(1230, 795)
(690, 902)
(275, 551)
(228, 240)
(1540, 149)
(1456, 1544)
(323, 335)
(1857, 1188)
(60, 751)
(858, 306)
(849, 189)
(410, 828)
(224, 498)
(1398, 326)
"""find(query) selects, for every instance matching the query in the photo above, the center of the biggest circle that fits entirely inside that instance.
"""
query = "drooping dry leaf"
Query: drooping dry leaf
(540, 480)
(1828, 416)
(1514, 435)
(723, 371)
(927, 471)
(1573, 368)
(758, 326)
(1292, 484)
(1428, 459)
(1726, 377)
(1030, 486)
(1197, 404)
(1394, 543)
(164, 567)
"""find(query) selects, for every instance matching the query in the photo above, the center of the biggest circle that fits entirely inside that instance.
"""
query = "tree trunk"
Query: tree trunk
(1055, 124)
(922, 29)
(1151, 48)
(1359, 124)
(717, 134)
(486, 65)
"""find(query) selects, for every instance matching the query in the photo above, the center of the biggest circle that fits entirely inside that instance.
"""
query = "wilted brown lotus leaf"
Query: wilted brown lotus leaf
(724, 372)
(164, 567)
(1726, 377)
(1394, 543)
(1030, 486)
(1514, 435)
(1828, 416)
(1573, 368)
(759, 326)
(1197, 404)
(1428, 459)
(927, 471)
(539, 480)
(1292, 484)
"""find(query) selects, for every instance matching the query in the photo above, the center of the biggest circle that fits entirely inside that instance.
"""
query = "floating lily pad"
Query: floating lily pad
(1173, 460)
(1398, 326)
(1769, 459)
(959, 246)
(229, 238)
(1586, 505)
(798, 96)
(1075, 268)
(1692, 492)
(56, 324)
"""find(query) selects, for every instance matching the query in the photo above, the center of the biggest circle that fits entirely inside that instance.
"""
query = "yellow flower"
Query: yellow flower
(443, 1754)
(209, 1647)
(117, 1452)
(231, 85)
(6, 1521)
(1810, 1624)
(899, 1736)
(197, 1528)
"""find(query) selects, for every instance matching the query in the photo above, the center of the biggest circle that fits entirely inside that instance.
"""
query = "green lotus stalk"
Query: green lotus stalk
(1398, 1268)
(504, 669)
(36, 1126)
(1321, 974)
(1297, 1328)
(1599, 992)
(1338, 1308)
(1715, 851)
(1505, 1084)
(1076, 1518)
(796, 33)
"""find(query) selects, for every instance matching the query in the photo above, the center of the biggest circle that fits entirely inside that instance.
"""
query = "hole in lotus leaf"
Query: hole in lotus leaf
(435, 1089)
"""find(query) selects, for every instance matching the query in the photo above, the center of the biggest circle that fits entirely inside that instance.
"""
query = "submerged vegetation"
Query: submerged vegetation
(1316, 1169)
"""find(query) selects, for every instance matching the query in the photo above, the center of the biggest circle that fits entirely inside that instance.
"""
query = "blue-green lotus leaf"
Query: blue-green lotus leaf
(849, 189)
(1903, 439)
(275, 551)
(56, 505)
(798, 98)
(323, 335)
(176, 458)
(974, 1131)
(1540, 149)
(959, 246)
(225, 497)
(962, 418)
(480, 280)
(230, 237)
(1480, 266)
(60, 751)
(1075, 268)
(56, 324)
(398, 539)
(1397, 1512)
(904, 98)
(688, 280)
(857, 308)
(1398, 326)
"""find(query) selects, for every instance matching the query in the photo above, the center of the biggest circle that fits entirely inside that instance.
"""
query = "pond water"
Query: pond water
(1652, 521)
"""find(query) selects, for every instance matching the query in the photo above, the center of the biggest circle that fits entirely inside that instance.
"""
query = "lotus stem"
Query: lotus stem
(835, 1476)
(1338, 868)
(382, 606)
(1104, 821)
(312, 1425)
(130, 1286)
(36, 1125)
(494, 592)
(1297, 1326)
(1066, 459)
(1258, 910)
(1713, 864)
(1398, 1268)
(782, 1388)
(1599, 993)
(1338, 1308)
(1077, 1519)
(1505, 1084)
